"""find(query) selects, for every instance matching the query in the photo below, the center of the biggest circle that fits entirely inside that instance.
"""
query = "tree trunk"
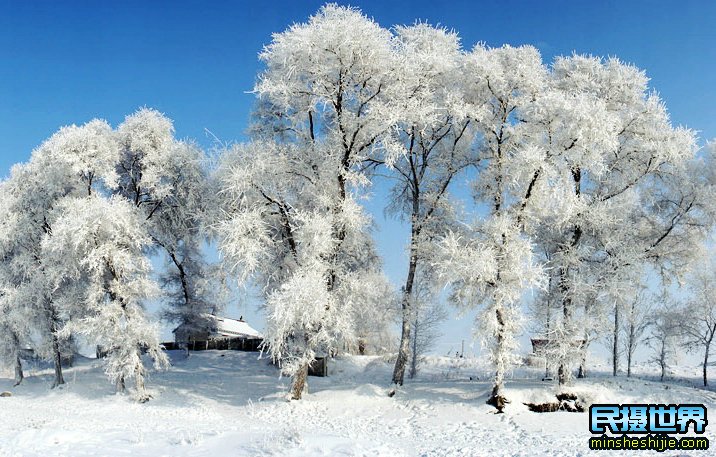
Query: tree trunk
(497, 397)
(414, 352)
(19, 375)
(142, 396)
(706, 361)
(404, 349)
(615, 346)
(121, 387)
(582, 373)
(630, 348)
(299, 385)
(563, 370)
(563, 374)
(57, 356)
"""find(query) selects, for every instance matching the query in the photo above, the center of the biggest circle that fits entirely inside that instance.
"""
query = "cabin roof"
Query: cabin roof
(232, 327)
(221, 327)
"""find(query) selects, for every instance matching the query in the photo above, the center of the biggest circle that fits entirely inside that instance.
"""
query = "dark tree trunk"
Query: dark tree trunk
(414, 352)
(615, 346)
(562, 374)
(630, 348)
(403, 351)
(19, 375)
(361, 346)
(706, 362)
(563, 370)
(57, 356)
(56, 347)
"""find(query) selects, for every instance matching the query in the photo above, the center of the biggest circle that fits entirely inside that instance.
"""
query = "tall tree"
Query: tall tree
(275, 229)
(666, 326)
(70, 163)
(630, 201)
(167, 181)
(491, 262)
(103, 241)
(322, 94)
(429, 147)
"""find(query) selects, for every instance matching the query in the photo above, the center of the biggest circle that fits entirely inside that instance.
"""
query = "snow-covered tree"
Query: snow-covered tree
(636, 323)
(102, 242)
(275, 230)
(666, 327)
(374, 314)
(167, 181)
(56, 199)
(321, 111)
(430, 145)
(490, 263)
(699, 319)
(428, 313)
(625, 198)
(69, 164)
(628, 311)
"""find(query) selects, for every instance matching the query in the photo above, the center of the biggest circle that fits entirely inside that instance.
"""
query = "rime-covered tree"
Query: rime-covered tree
(428, 313)
(636, 324)
(374, 314)
(430, 145)
(275, 230)
(103, 242)
(69, 164)
(166, 180)
(490, 262)
(666, 327)
(321, 97)
(699, 319)
(625, 199)
(64, 185)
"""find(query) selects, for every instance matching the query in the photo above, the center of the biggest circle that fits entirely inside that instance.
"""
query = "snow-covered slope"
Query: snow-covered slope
(231, 404)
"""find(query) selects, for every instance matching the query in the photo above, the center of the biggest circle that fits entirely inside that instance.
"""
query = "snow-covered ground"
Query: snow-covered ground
(231, 404)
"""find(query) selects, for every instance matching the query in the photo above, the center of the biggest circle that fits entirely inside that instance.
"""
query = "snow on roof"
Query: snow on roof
(233, 328)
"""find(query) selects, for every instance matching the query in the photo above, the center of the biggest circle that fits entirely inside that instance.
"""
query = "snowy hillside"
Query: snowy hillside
(231, 404)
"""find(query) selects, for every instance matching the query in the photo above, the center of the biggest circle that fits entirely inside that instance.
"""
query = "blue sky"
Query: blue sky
(67, 62)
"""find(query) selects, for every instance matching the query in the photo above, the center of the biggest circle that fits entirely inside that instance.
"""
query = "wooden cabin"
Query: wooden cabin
(220, 333)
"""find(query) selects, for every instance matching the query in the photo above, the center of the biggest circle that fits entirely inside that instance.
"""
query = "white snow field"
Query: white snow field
(231, 404)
